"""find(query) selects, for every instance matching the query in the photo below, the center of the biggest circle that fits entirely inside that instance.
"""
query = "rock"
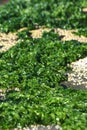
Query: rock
(84, 10)
(77, 78)
(42, 127)
(7, 41)
(1, 91)
(2, 97)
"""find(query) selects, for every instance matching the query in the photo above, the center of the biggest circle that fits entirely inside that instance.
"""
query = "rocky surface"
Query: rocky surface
(84, 10)
(68, 35)
(77, 78)
(7, 41)
(41, 127)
